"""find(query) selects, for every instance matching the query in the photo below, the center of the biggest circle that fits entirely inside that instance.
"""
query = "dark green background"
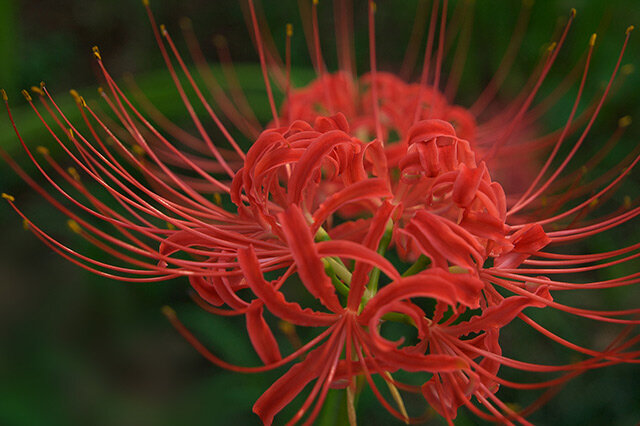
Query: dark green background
(76, 349)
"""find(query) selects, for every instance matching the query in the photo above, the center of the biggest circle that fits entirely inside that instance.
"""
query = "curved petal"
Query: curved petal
(433, 283)
(305, 254)
(355, 251)
(273, 299)
(364, 189)
(288, 386)
(497, 316)
(260, 334)
(311, 159)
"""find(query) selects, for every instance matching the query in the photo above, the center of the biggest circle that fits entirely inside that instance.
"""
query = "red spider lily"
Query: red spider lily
(349, 169)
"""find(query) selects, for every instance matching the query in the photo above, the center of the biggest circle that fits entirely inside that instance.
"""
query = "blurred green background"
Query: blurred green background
(77, 349)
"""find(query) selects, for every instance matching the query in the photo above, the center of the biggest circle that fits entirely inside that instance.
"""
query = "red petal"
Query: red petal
(432, 283)
(287, 387)
(260, 334)
(497, 316)
(355, 251)
(466, 184)
(274, 300)
(205, 289)
(371, 242)
(304, 252)
(370, 188)
(447, 239)
(311, 160)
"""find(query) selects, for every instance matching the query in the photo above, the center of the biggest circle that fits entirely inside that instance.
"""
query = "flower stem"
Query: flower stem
(374, 278)
(419, 265)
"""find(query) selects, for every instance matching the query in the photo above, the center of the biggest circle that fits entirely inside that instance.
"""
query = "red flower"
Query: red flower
(350, 169)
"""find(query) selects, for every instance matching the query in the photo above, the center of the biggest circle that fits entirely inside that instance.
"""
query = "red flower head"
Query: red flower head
(368, 201)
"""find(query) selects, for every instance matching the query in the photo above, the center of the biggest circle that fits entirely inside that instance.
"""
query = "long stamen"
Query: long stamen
(263, 64)
(544, 168)
(555, 49)
(289, 31)
(586, 130)
(374, 75)
(424, 76)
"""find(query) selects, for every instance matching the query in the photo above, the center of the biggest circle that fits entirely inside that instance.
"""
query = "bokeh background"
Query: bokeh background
(77, 349)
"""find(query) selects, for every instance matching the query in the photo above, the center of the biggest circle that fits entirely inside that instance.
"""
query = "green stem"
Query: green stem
(339, 285)
(334, 409)
(374, 278)
(420, 265)
(340, 270)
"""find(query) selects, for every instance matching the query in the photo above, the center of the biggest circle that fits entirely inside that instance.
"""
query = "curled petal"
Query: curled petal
(274, 300)
(526, 241)
(206, 290)
(305, 254)
(497, 316)
(433, 283)
(311, 159)
(260, 334)
(351, 250)
(466, 184)
(445, 239)
(288, 386)
(430, 129)
(364, 189)
(484, 225)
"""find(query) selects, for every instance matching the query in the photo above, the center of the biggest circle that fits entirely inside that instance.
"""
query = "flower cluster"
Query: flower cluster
(351, 173)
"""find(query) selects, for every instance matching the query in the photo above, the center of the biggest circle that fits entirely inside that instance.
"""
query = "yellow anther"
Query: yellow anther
(185, 23)
(83, 102)
(594, 203)
(286, 327)
(73, 225)
(96, 53)
(544, 201)
(100, 91)
(138, 150)
(74, 173)
(163, 30)
(592, 40)
(515, 407)
(627, 202)
(76, 96)
(26, 95)
(625, 121)
(552, 46)
(626, 69)
(42, 85)
(70, 134)
(145, 2)
(169, 312)
(4, 95)
(42, 150)
(374, 7)
(37, 90)
(455, 269)
(289, 30)
(629, 29)
(8, 197)
(25, 224)
(217, 198)
(316, 2)
(170, 226)
(573, 12)
(219, 40)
